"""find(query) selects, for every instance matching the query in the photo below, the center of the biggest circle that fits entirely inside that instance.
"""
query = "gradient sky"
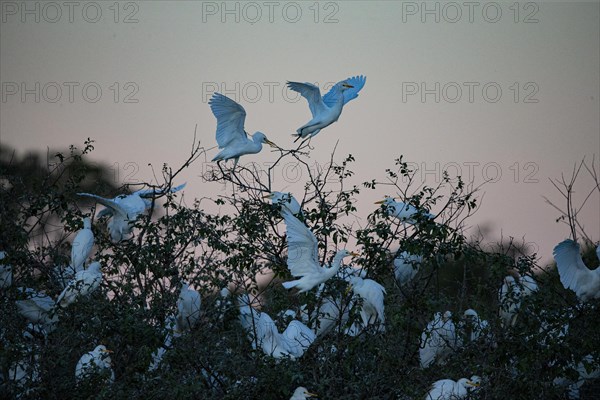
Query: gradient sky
(170, 56)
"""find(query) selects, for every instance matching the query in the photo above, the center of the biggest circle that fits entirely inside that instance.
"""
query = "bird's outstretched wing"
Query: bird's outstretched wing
(230, 119)
(573, 272)
(358, 82)
(111, 204)
(311, 93)
(303, 251)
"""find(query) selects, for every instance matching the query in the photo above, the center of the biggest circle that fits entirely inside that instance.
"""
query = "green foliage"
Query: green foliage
(244, 247)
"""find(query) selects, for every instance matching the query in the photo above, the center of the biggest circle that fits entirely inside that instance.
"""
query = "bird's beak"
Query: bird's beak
(268, 196)
(380, 202)
(348, 290)
(474, 384)
(309, 394)
(348, 86)
(107, 351)
(267, 141)
(353, 254)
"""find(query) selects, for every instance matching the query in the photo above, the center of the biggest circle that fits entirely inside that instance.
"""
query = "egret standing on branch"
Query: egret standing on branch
(82, 245)
(125, 209)
(231, 136)
(404, 212)
(327, 109)
(574, 274)
(303, 256)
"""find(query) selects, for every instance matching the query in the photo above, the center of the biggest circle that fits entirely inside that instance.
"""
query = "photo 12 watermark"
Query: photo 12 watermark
(476, 171)
(254, 92)
(69, 92)
(252, 12)
(53, 12)
(470, 92)
(452, 12)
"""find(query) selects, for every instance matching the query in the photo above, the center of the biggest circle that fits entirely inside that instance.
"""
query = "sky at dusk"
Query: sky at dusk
(501, 91)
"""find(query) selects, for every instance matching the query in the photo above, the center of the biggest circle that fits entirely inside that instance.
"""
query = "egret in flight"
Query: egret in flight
(303, 256)
(447, 389)
(327, 109)
(231, 136)
(574, 274)
(125, 209)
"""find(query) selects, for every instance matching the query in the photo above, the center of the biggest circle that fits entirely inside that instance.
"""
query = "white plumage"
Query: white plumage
(188, 307)
(231, 136)
(372, 294)
(125, 209)
(286, 201)
(327, 109)
(96, 361)
(438, 339)
(303, 256)
(402, 211)
(474, 326)
(84, 283)
(574, 274)
(301, 393)
(406, 266)
(82, 245)
(447, 389)
(511, 295)
(37, 308)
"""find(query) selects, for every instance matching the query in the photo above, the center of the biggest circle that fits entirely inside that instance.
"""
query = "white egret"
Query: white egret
(5, 272)
(248, 317)
(170, 332)
(438, 339)
(85, 282)
(231, 136)
(286, 201)
(93, 362)
(473, 326)
(327, 109)
(511, 295)
(404, 212)
(38, 309)
(585, 374)
(292, 343)
(301, 393)
(447, 389)
(188, 306)
(372, 294)
(303, 256)
(82, 245)
(574, 274)
(125, 209)
(406, 266)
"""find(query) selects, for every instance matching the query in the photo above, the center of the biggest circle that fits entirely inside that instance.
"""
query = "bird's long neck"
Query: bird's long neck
(336, 263)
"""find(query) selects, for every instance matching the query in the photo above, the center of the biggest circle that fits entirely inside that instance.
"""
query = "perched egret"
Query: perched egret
(303, 256)
(5, 272)
(327, 109)
(329, 313)
(286, 201)
(404, 212)
(231, 136)
(511, 296)
(585, 374)
(473, 326)
(170, 332)
(125, 209)
(301, 393)
(37, 308)
(406, 266)
(447, 389)
(84, 283)
(438, 339)
(292, 343)
(95, 361)
(82, 245)
(372, 294)
(574, 274)
(248, 317)
(188, 306)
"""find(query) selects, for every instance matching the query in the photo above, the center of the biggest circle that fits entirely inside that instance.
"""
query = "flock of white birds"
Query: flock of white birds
(439, 339)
